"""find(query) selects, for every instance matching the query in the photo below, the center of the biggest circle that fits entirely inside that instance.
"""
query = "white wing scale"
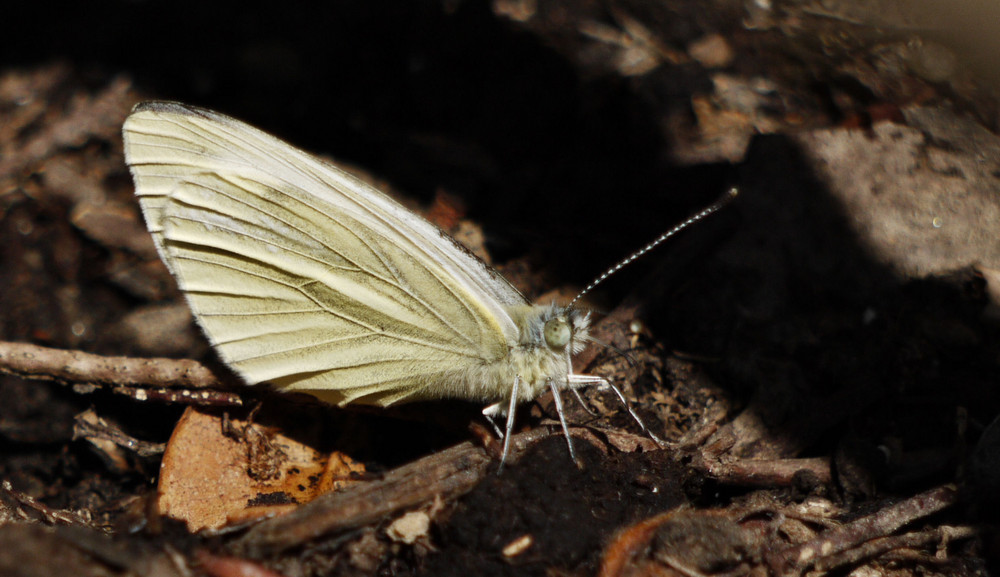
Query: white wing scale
(304, 276)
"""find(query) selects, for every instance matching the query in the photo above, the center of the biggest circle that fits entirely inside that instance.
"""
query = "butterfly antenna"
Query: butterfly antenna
(707, 211)
(616, 349)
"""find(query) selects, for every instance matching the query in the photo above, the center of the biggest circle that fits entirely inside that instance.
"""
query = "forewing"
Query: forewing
(302, 275)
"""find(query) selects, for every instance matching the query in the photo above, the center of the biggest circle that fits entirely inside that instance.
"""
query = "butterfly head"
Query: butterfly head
(561, 329)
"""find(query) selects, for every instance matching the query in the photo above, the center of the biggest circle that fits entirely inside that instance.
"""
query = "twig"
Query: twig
(27, 507)
(447, 474)
(767, 472)
(161, 379)
(87, 425)
(794, 560)
(877, 547)
(35, 362)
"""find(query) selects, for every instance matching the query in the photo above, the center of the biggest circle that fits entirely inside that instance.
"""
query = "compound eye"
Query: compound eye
(557, 333)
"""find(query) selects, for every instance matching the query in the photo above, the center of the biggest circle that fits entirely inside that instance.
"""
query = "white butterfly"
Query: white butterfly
(307, 278)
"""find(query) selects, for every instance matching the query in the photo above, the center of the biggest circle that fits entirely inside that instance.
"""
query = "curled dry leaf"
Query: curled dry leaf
(210, 479)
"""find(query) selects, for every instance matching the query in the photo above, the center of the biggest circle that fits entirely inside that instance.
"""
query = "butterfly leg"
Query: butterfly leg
(491, 413)
(635, 416)
(510, 422)
(583, 403)
(572, 379)
(577, 381)
(562, 419)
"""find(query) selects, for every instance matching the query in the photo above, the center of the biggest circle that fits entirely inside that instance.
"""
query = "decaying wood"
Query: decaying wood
(447, 475)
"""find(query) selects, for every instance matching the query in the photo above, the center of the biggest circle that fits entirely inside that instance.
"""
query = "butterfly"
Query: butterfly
(305, 277)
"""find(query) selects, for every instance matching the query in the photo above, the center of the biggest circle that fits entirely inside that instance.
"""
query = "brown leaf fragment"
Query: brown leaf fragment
(210, 478)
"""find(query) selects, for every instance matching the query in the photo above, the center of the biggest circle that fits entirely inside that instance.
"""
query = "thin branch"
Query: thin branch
(446, 474)
(877, 525)
(78, 368)
(877, 547)
(767, 472)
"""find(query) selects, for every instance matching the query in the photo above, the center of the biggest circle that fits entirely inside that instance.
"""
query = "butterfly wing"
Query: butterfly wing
(304, 276)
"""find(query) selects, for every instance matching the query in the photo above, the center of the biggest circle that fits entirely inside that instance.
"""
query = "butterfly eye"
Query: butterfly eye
(557, 333)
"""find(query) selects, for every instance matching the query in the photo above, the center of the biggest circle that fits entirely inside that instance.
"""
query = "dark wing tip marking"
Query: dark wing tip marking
(162, 106)
(170, 107)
